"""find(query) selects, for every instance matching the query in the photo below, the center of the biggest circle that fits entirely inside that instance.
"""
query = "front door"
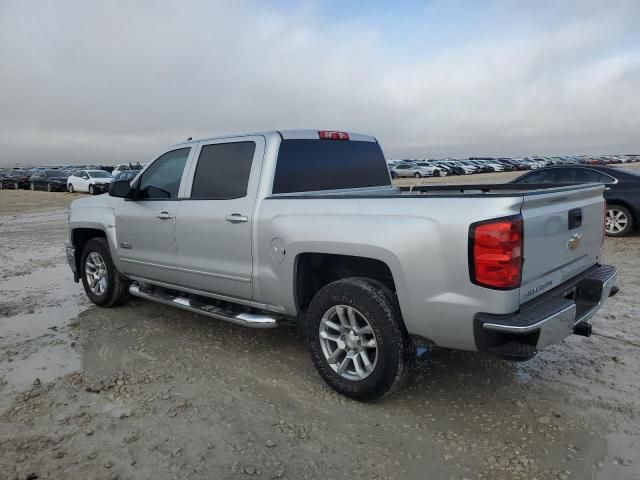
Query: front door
(213, 225)
(145, 224)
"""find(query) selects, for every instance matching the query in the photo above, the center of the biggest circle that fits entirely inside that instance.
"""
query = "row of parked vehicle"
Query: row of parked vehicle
(92, 179)
(450, 166)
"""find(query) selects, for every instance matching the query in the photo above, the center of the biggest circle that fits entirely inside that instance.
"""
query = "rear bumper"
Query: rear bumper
(548, 319)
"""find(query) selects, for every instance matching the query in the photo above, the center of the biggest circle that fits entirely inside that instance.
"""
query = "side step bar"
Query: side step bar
(236, 316)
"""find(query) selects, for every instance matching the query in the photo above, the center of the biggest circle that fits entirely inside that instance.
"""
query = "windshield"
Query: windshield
(54, 173)
(99, 174)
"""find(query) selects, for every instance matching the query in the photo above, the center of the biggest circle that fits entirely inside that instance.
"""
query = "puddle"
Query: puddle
(35, 341)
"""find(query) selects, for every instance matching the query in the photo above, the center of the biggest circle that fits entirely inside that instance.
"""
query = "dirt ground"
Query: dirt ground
(144, 391)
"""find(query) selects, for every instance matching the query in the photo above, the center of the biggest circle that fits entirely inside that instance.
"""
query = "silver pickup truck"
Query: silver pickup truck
(304, 225)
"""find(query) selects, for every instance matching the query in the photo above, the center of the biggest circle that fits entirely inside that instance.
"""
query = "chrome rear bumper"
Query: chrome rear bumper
(551, 318)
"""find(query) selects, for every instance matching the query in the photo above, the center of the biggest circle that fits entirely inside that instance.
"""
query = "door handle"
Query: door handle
(164, 216)
(236, 218)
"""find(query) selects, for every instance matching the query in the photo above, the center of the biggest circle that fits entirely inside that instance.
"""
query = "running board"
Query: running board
(232, 314)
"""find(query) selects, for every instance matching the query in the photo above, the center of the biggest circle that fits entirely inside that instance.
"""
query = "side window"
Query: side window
(535, 177)
(223, 170)
(162, 178)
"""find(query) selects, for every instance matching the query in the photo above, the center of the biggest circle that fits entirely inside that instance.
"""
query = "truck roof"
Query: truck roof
(304, 134)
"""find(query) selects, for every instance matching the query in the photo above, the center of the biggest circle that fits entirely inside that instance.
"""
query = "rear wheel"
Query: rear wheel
(102, 283)
(70, 188)
(618, 221)
(417, 175)
(33, 186)
(436, 173)
(16, 186)
(91, 190)
(49, 188)
(357, 340)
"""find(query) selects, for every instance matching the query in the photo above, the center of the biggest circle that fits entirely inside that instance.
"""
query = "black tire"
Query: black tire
(16, 186)
(49, 189)
(117, 289)
(396, 352)
(70, 188)
(33, 186)
(436, 173)
(417, 175)
(91, 190)
(628, 227)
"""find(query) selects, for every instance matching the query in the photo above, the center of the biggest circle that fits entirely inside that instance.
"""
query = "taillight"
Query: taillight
(495, 251)
(330, 135)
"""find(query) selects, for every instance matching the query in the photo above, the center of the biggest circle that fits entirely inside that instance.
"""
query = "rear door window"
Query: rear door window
(306, 165)
(223, 171)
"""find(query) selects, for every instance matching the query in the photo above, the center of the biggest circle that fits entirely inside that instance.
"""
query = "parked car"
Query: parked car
(92, 181)
(50, 180)
(124, 166)
(438, 170)
(15, 179)
(265, 233)
(622, 191)
(414, 170)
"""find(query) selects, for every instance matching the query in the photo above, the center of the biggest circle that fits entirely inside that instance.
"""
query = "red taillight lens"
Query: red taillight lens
(330, 135)
(496, 253)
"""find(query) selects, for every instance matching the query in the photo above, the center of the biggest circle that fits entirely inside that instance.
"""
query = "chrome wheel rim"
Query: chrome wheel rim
(615, 221)
(95, 270)
(348, 343)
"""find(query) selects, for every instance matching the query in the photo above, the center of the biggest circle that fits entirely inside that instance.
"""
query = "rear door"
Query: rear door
(563, 234)
(145, 225)
(214, 222)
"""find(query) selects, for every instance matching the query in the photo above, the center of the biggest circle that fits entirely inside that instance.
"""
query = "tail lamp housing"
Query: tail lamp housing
(332, 135)
(495, 253)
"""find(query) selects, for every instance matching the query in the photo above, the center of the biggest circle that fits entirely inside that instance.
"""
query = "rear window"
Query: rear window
(313, 165)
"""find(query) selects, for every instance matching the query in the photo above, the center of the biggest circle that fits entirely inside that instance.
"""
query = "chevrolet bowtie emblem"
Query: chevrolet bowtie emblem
(574, 241)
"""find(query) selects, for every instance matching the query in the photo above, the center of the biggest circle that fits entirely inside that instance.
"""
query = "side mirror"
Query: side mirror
(120, 189)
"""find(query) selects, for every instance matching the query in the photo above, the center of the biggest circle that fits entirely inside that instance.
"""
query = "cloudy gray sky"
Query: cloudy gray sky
(112, 81)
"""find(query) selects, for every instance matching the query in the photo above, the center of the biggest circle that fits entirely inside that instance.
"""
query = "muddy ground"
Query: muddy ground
(144, 391)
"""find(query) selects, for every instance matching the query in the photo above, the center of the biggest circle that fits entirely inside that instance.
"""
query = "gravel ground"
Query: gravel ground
(148, 392)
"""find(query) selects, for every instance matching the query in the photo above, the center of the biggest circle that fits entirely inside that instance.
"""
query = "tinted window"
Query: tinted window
(223, 170)
(162, 178)
(309, 165)
(545, 176)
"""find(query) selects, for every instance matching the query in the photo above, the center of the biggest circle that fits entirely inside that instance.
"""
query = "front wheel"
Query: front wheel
(436, 173)
(101, 281)
(91, 190)
(49, 189)
(417, 175)
(16, 186)
(618, 221)
(357, 339)
(33, 186)
(70, 188)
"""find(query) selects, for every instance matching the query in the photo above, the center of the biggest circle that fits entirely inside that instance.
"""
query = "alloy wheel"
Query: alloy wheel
(615, 221)
(348, 343)
(95, 270)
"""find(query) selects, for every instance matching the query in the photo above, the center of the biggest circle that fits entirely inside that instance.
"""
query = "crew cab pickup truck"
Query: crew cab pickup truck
(306, 226)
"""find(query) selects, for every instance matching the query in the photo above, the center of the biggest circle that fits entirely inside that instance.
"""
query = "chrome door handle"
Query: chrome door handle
(236, 218)
(164, 216)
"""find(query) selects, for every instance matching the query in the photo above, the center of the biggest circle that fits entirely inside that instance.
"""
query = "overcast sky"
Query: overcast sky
(112, 81)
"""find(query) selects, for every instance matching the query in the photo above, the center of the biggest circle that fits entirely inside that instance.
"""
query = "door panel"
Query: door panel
(145, 224)
(213, 226)
(146, 243)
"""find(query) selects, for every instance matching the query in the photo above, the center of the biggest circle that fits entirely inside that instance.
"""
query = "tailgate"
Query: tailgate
(563, 232)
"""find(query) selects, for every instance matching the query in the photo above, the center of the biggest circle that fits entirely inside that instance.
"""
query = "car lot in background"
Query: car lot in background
(91, 181)
(622, 191)
(14, 179)
(414, 170)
